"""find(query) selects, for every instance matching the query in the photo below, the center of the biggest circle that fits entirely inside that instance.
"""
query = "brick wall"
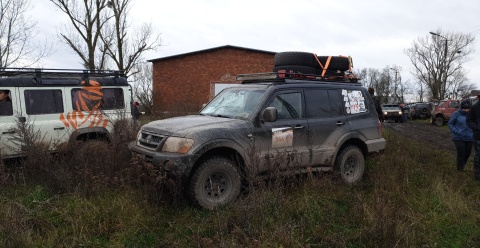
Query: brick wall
(181, 84)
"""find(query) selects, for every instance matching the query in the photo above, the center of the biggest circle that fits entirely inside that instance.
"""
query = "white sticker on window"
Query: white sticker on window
(354, 101)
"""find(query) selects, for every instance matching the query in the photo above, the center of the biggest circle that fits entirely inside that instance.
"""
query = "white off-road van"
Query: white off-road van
(62, 105)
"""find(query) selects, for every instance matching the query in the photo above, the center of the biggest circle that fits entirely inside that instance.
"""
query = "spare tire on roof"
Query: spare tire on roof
(340, 63)
(297, 69)
(296, 58)
(336, 63)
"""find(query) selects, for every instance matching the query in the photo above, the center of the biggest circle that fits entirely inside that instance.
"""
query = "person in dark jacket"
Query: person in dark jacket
(5, 103)
(462, 134)
(136, 115)
(473, 121)
(378, 107)
(405, 109)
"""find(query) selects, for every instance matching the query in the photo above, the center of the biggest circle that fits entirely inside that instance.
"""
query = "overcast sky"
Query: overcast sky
(374, 32)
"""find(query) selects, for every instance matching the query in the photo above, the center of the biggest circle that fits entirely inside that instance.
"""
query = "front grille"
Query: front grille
(150, 140)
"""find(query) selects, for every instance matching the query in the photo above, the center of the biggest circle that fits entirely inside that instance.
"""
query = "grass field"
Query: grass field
(411, 196)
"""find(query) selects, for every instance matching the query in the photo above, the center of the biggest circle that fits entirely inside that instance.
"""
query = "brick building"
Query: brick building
(182, 83)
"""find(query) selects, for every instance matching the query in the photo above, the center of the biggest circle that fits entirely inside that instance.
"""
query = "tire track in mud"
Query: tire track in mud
(422, 131)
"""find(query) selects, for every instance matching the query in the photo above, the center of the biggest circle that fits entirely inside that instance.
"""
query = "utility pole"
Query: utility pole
(445, 69)
(395, 91)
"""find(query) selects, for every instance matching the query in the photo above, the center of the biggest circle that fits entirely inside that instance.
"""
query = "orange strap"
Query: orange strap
(320, 63)
(326, 65)
(324, 68)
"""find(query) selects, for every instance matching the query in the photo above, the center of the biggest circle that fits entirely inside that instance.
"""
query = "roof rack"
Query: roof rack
(283, 74)
(38, 72)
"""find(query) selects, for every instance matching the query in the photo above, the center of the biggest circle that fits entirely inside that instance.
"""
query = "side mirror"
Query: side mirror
(270, 114)
(203, 105)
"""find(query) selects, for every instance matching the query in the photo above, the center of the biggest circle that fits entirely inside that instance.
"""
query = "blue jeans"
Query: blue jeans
(476, 161)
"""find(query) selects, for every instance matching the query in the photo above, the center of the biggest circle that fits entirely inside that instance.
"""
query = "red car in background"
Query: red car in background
(442, 112)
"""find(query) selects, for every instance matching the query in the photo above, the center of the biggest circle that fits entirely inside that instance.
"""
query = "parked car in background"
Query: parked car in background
(420, 110)
(64, 105)
(392, 112)
(442, 112)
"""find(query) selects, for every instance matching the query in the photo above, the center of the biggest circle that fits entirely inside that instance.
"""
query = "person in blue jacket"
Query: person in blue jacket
(462, 134)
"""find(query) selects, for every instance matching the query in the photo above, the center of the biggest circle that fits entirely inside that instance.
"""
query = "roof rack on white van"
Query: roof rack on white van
(31, 77)
(38, 72)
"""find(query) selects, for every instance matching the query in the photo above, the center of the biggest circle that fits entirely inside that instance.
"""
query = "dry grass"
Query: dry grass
(411, 196)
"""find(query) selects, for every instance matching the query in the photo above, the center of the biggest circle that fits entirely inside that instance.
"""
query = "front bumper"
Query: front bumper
(172, 163)
(392, 116)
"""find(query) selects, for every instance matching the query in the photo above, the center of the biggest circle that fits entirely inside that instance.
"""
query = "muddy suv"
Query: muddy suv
(420, 110)
(392, 112)
(62, 105)
(442, 112)
(278, 122)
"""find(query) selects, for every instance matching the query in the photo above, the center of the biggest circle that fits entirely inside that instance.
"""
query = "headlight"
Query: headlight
(178, 145)
(399, 112)
(385, 113)
(139, 135)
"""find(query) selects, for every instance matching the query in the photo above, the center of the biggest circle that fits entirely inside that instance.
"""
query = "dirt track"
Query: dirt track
(422, 131)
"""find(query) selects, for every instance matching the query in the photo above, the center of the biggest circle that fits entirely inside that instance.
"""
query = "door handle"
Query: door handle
(58, 128)
(299, 127)
(340, 123)
(8, 132)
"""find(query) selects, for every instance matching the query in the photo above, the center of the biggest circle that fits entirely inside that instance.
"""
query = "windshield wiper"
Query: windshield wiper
(221, 116)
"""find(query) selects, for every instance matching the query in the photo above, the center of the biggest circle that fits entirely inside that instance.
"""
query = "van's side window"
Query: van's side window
(38, 102)
(5, 103)
(86, 99)
(323, 103)
(289, 105)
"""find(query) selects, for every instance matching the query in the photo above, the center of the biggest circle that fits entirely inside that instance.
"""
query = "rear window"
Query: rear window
(424, 105)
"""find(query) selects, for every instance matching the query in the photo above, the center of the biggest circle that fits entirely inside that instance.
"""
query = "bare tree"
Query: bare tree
(438, 60)
(17, 36)
(100, 34)
(459, 87)
(378, 80)
(142, 86)
(87, 18)
(362, 75)
(124, 48)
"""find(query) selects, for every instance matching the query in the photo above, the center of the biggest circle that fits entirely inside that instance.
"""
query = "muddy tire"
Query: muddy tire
(336, 63)
(350, 163)
(215, 183)
(439, 121)
(296, 58)
(91, 152)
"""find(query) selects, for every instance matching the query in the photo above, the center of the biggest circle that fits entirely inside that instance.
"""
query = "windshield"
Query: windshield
(390, 107)
(234, 103)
